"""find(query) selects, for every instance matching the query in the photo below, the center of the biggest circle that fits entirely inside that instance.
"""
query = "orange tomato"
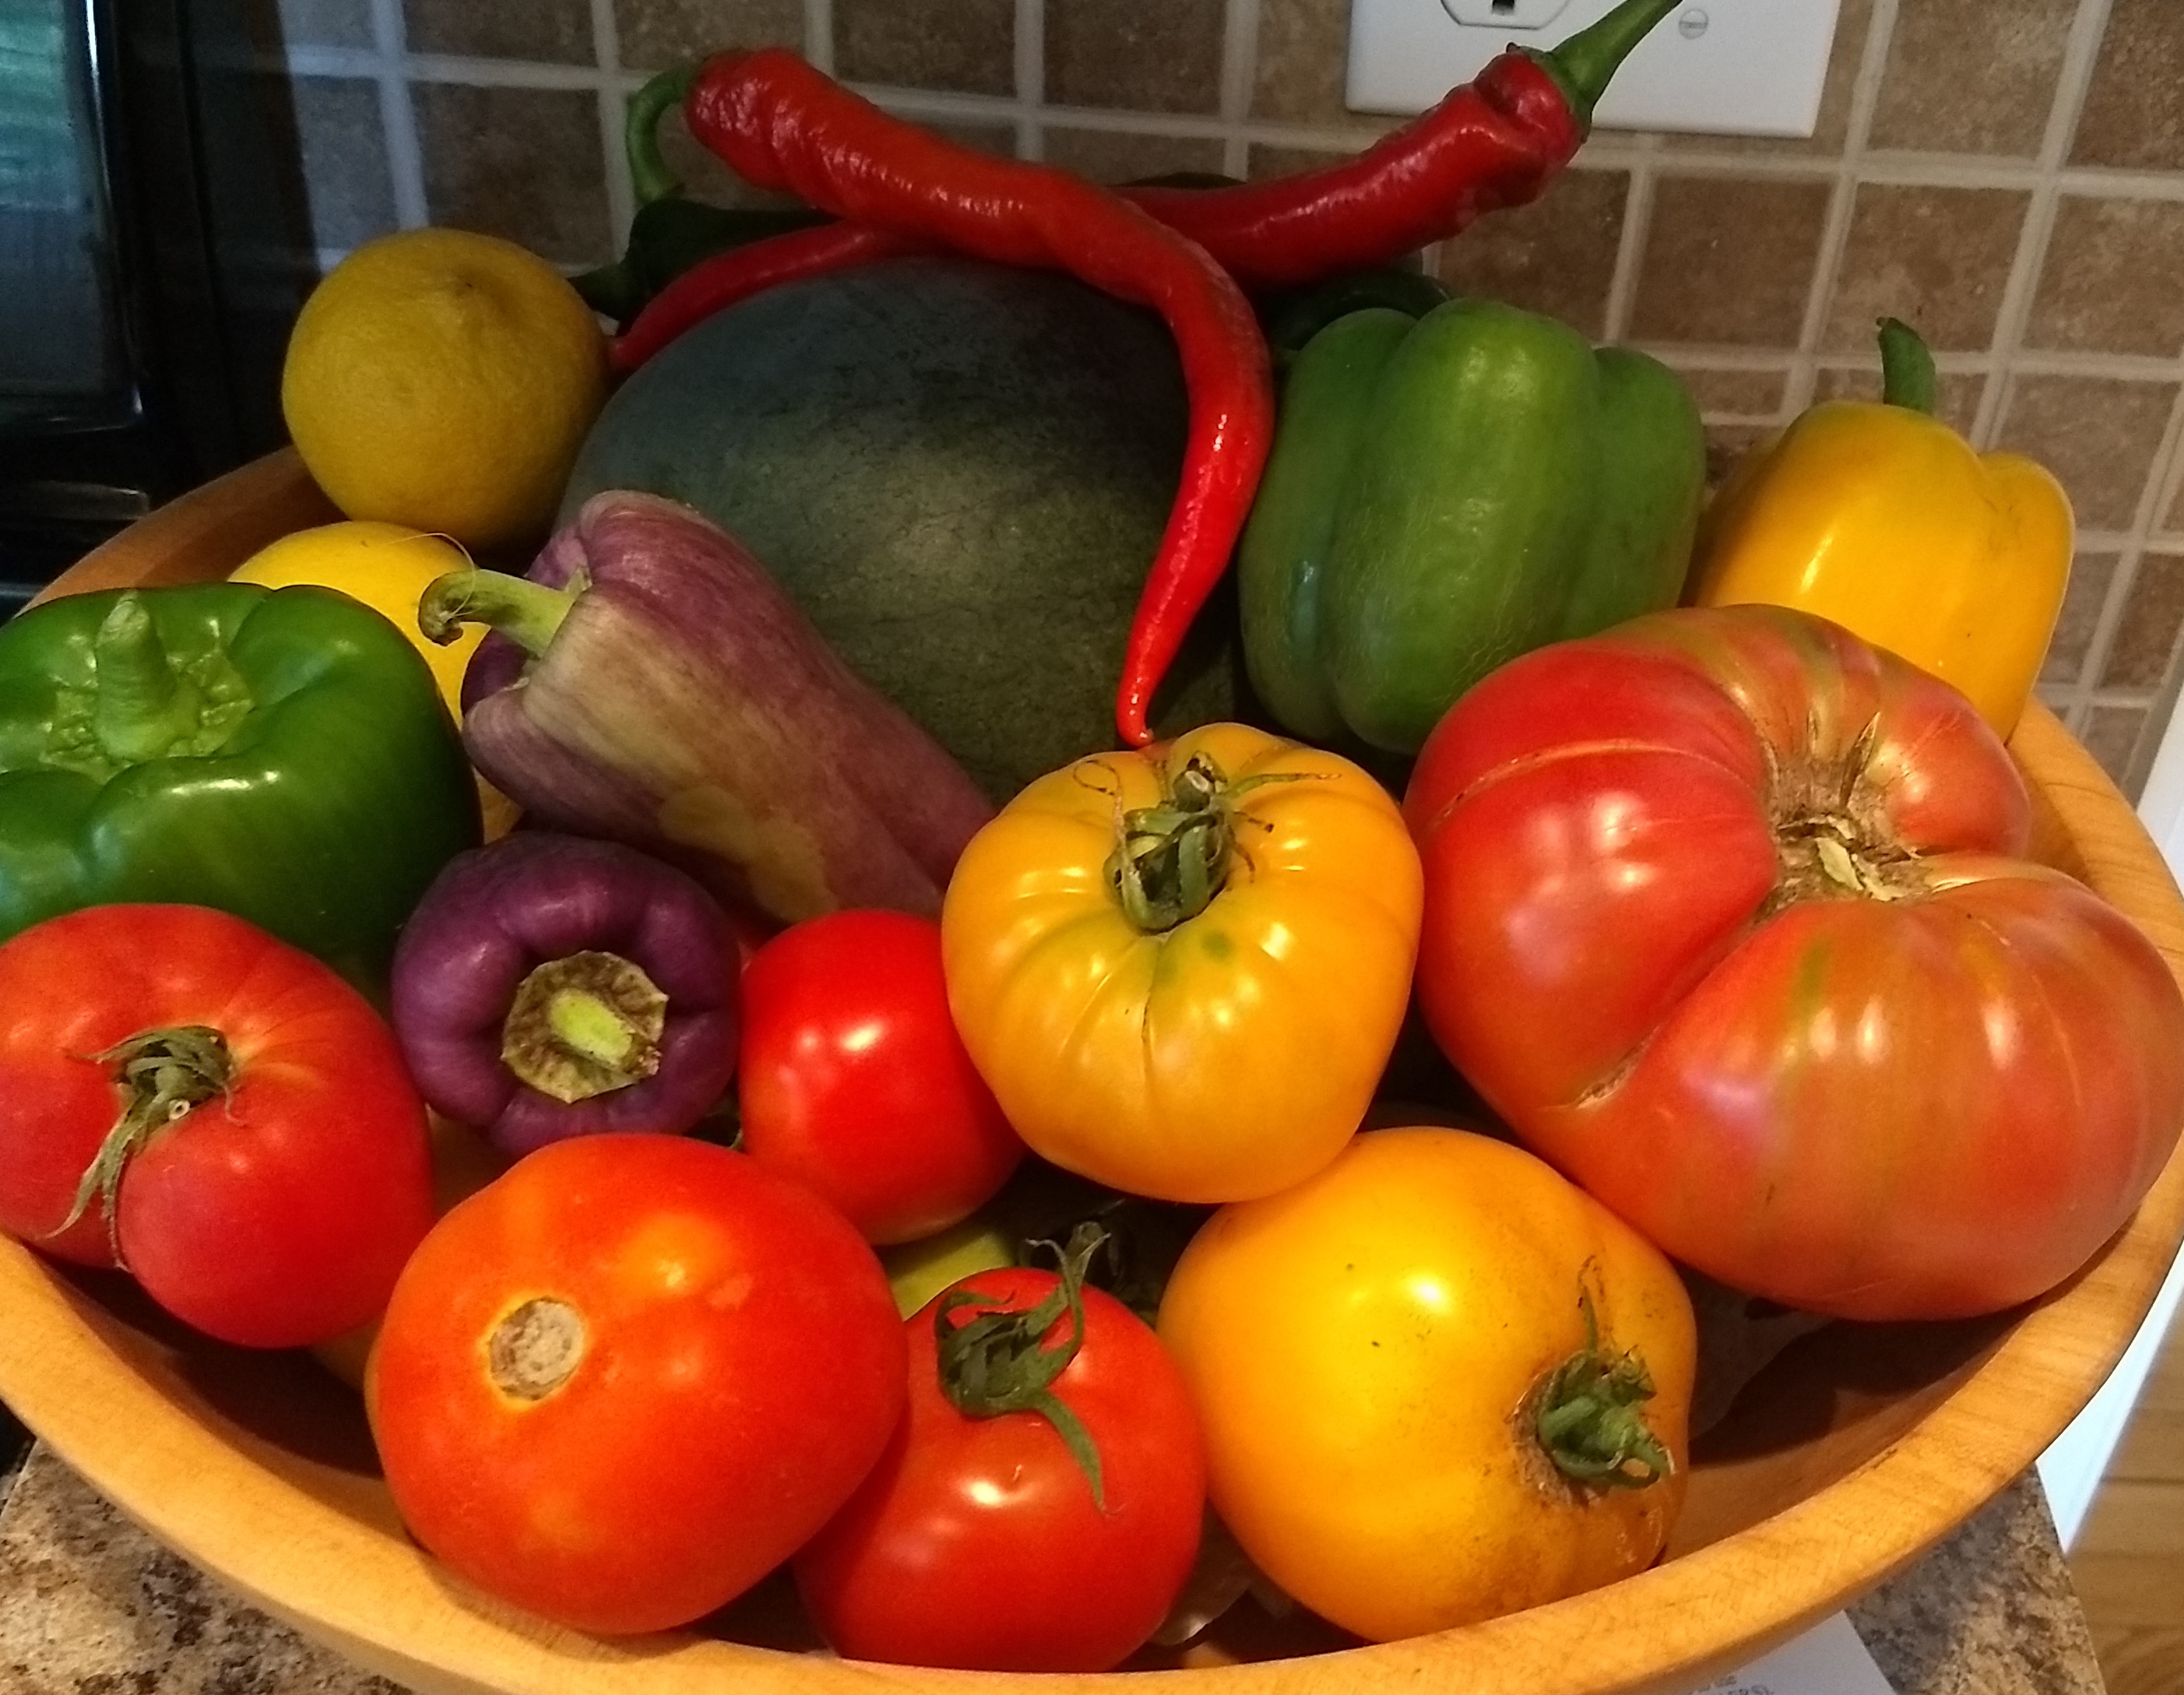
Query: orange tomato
(1181, 970)
(620, 1384)
(1373, 1352)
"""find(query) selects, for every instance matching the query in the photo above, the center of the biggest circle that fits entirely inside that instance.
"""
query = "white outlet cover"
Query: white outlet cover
(1714, 67)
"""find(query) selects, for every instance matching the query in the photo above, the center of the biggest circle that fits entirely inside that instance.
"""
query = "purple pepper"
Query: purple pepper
(549, 986)
(649, 683)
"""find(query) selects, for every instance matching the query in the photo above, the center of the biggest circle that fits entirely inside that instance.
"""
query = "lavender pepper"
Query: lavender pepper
(649, 683)
(549, 986)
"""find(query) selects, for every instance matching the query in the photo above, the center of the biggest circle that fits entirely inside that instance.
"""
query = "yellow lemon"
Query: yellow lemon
(389, 568)
(444, 380)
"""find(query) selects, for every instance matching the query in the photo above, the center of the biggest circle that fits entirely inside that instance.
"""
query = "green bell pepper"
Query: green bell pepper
(1446, 493)
(282, 754)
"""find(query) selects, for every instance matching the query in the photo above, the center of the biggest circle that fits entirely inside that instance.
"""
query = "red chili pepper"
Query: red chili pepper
(1497, 141)
(781, 125)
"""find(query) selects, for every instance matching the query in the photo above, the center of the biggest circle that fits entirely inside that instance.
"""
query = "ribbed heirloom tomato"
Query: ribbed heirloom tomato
(624, 1381)
(1182, 970)
(1728, 915)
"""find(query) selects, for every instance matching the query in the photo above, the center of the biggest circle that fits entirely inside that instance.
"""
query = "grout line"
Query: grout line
(397, 114)
(1240, 69)
(1842, 201)
(1031, 77)
(621, 195)
(819, 34)
(1629, 252)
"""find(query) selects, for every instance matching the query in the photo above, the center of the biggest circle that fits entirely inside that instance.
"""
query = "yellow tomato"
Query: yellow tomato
(1203, 1017)
(1371, 1353)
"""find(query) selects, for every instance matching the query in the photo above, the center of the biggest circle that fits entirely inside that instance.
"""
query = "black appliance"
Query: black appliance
(154, 247)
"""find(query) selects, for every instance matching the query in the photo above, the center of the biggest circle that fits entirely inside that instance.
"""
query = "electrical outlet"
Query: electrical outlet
(1719, 67)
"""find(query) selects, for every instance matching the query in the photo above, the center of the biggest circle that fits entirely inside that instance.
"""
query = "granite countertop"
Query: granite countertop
(90, 1605)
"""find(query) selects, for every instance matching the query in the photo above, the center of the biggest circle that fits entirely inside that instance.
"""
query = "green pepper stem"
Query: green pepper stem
(528, 613)
(582, 1025)
(141, 708)
(649, 174)
(1588, 1420)
(1908, 378)
(1585, 63)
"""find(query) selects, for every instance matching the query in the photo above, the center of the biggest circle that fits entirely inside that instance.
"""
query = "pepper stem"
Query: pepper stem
(528, 613)
(1907, 369)
(1587, 1417)
(583, 1025)
(998, 1362)
(140, 707)
(649, 174)
(1585, 63)
(162, 1074)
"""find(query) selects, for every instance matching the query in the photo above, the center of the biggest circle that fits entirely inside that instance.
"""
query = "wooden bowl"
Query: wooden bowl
(1854, 1453)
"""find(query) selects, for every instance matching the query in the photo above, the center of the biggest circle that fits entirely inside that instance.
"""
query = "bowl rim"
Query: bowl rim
(65, 1369)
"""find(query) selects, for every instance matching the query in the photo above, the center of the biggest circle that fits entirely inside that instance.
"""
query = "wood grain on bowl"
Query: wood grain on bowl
(1854, 1451)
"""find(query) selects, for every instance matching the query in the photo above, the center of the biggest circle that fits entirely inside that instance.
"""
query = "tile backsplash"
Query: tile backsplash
(2008, 175)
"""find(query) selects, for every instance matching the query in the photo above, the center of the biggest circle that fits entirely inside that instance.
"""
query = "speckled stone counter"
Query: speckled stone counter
(89, 1605)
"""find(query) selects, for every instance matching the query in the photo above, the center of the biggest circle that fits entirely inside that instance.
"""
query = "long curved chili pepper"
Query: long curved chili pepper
(781, 125)
(715, 283)
(1496, 142)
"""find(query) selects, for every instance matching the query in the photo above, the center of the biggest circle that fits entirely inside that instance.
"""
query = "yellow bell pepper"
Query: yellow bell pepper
(1881, 517)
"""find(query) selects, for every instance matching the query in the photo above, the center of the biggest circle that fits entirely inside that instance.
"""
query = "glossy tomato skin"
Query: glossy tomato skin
(738, 1366)
(977, 1543)
(1928, 1083)
(276, 1216)
(1363, 1350)
(1230, 1055)
(854, 1080)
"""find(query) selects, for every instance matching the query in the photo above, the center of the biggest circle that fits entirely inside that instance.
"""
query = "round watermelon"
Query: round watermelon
(961, 472)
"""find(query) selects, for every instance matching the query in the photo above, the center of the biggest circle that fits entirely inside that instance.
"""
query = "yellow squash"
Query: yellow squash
(1181, 970)
(1881, 517)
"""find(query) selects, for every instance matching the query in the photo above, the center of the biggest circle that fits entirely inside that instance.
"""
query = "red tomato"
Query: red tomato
(284, 1176)
(854, 1080)
(1727, 914)
(976, 1542)
(621, 1383)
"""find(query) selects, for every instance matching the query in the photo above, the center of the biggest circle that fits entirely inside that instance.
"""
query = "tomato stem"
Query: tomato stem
(1172, 859)
(997, 1362)
(162, 1074)
(1588, 1419)
(582, 1025)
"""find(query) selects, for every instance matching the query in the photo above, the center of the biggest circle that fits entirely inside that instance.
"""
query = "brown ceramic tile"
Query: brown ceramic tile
(1556, 255)
(703, 175)
(961, 44)
(2098, 434)
(998, 139)
(1304, 47)
(1726, 443)
(1972, 76)
(655, 34)
(343, 148)
(523, 163)
(1728, 259)
(554, 32)
(1936, 258)
(2059, 699)
(1164, 57)
(272, 24)
(2145, 634)
(2134, 111)
(2109, 282)
(1110, 156)
(1853, 20)
(2091, 574)
(1957, 400)
(2111, 735)
(1722, 391)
